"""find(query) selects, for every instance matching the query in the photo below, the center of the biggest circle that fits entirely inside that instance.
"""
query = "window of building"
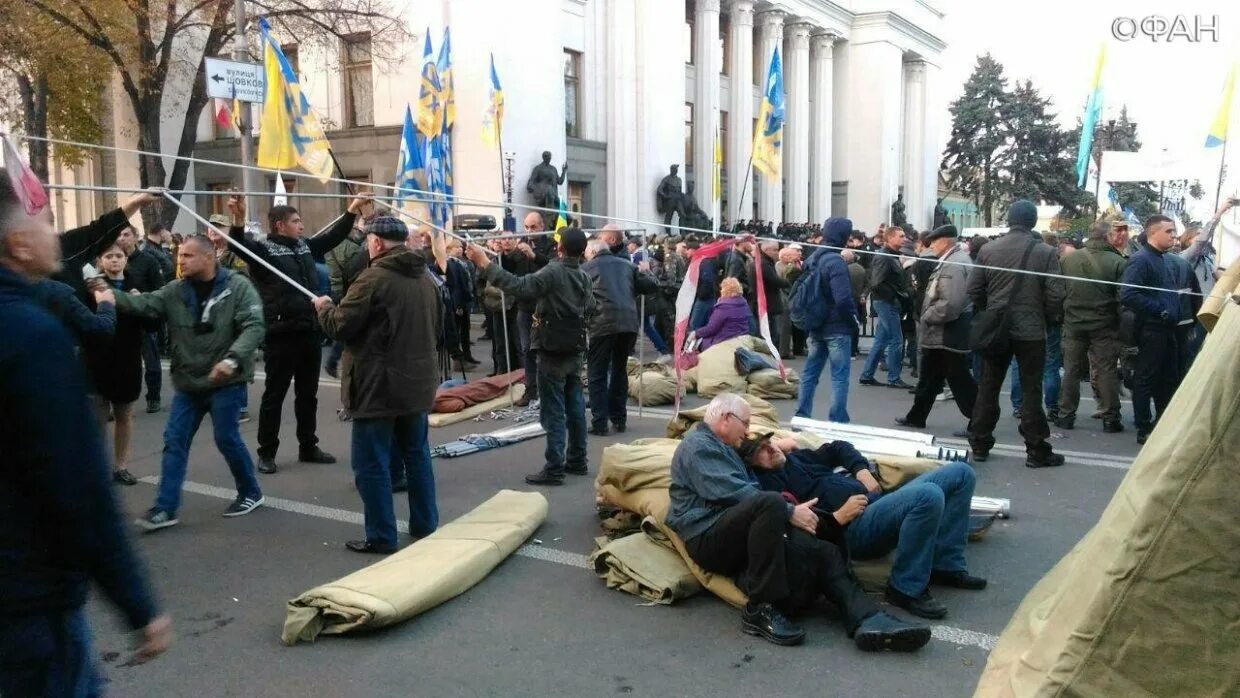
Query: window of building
(293, 56)
(576, 200)
(688, 135)
(219, 202)
(725, 48)
(359, 94)
(572, 94)
(687, 40)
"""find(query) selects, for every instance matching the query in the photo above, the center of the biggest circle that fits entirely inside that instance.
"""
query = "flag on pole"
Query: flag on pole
(1218, 129)
(684, 303)
(292, 134)
(768, 134)
(493, 120)
(1093, 112)
(561, 219)
(410, 166)
(23, 180)
(236, 109)
(281, 197)
(764, 323)
(718, 181)
(430, 96)
(444, 67)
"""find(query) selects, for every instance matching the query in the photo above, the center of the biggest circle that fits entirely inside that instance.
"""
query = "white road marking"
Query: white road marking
(945, 633)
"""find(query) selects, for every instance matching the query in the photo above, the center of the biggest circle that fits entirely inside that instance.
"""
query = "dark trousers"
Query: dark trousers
(940, 366)
(48, 654)
(1030, 358)
(529, 357)
(562, 413)
(290, 357)
(1091, 353)
(608, 377)
(775, 563)
(153, 372)
(462, 333)
(1155, 377)
(503, 363)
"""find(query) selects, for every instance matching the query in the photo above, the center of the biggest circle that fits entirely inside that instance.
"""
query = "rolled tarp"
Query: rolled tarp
(420, 577)
(1148, 602)
(1219, 297)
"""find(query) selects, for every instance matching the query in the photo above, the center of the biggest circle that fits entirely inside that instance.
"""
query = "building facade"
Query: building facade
(641, 85)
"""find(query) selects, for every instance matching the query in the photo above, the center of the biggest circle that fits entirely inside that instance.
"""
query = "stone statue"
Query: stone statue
(940, 214)
(668, 198)
(897, 211)
(544, 188)
(692, 215)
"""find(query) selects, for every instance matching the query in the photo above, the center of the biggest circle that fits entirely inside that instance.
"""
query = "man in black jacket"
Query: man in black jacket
(61, 524)
(889, 295)
(82, 245)
(144, 271)
(773, 286)
(613, 332)
(1157, 315)
(293, 346)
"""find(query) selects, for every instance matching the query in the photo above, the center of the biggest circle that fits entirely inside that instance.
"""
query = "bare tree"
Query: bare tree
(151, 43)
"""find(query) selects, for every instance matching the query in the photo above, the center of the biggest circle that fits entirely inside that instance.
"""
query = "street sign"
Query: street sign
(224, 76)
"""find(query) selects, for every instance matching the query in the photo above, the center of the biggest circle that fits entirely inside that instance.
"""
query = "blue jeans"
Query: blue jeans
(652, 333)
(700, 315)
(1051, 378)
(188, 409)
(926, 522)
(563, 413)
(48, 654)
(836, 348)
(888, 338)
(379, 447)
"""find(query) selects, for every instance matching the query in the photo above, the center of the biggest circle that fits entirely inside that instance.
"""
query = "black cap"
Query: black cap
(388, 228)
(943, 231)
(752, 444)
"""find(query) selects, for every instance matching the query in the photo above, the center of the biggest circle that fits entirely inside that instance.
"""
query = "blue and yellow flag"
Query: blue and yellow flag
(1218, 129)
(410, 164)
(291, 134)
(1093, 112)
(430, 98)
(768, 135)
(493, 119)
(444, 67)
(718, 182)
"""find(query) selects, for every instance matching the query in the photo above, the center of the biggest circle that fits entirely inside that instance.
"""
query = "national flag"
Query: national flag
(718, 192)
(440, 207)
(444, 67)
(493, 120)
(1093, 112)
(1218, 129)
(430, 97)
(684, 302)
(764, 323)
(561, 219)
(768, 134)
(410, 164)
(236, 109)
(25, 184)
(281, 197)
(291, 133)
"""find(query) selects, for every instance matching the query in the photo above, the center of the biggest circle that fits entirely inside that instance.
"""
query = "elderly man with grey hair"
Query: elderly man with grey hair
(782, 555)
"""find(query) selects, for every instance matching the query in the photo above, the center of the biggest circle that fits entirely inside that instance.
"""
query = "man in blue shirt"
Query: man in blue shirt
(1158, 313)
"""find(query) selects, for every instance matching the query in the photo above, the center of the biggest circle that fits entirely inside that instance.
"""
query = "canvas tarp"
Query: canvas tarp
(420, 577)
(639, 565)
(766, 383)
(1148, 602)
(716, 368)
(652, 388)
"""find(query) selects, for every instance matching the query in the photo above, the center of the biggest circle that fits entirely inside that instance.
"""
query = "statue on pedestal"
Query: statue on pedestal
(940, 214)
(692, 215)
(668, 198)
(544, 188)
(898, 218)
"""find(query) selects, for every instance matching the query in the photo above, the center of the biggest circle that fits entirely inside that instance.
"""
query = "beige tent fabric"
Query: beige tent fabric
(420, 577)
(652, 388)
(763, 416)
(716, 369)
(688, 378)
(438, 419)
(1148, 602)
(642, 567)
(766, 383)
(1219, 297)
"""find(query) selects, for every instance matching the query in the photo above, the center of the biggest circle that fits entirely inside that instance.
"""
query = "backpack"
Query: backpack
(807, 305)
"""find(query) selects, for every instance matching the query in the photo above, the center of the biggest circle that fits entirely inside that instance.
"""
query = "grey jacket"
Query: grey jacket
(947, 299)
(1041, 298)
(617, 284)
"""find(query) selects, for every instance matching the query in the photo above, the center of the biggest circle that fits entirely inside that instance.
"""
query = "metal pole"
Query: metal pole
(641, 344)
(241, 54)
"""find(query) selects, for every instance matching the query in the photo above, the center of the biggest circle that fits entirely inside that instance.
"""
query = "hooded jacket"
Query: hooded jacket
(1040, 301)
(389, 321)
(946, 308)
(1088, 307)
(836, 283)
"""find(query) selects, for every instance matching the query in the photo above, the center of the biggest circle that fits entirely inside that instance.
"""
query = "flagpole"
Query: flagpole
(1222, 164)
(243, 119)
(348, 185)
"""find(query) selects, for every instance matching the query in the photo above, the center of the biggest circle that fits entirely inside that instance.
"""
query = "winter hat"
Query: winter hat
(219, 219)
(388, 228)
(943, 231)
(1023, 214)
(573, 242)
(836, 230)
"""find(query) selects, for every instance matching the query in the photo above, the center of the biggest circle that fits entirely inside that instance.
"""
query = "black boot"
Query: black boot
(765, 621)
(923, 604)
(882, 631)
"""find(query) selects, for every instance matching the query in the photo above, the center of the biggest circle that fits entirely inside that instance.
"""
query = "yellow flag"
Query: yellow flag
(275, 142)
(291, 132)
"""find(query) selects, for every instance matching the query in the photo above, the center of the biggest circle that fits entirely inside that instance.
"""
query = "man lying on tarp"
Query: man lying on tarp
(779, 554)
(926, 521)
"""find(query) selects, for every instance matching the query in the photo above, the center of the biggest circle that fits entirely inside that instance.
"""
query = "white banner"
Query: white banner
(1146, 166)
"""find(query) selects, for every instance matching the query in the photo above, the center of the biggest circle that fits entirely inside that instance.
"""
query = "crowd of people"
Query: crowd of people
(92, 310)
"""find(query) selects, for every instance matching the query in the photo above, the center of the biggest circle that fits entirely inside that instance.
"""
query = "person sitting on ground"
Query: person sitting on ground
(926, 521)
(729, 319)
(774, 550)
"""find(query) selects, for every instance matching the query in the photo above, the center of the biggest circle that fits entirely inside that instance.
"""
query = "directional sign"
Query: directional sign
(225, 76)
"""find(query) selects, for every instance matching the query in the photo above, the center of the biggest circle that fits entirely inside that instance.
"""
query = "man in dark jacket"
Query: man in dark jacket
(526, 261)
(1157, 315)
(343, 266)
(143, 270)
(61, 525)
(293, 346)
(613, 333)
(564, 297)
(707, 291)
(889, 295)
(389, 321)
(773, 286)
(831, 342)
(1031, 303)
(83, 245)
(1091, 321)
(781, 555)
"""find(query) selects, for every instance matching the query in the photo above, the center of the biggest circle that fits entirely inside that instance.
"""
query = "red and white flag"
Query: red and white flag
(223, 118)
(684, 303)
(25, 184)
(764, 324)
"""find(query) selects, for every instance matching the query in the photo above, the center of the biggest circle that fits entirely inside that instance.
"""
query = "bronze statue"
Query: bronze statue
(940, 214)
(668, 198)
(897, 211)
(544, 188)
(692, 215)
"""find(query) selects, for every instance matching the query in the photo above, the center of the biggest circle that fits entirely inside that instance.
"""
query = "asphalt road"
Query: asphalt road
(542, 624)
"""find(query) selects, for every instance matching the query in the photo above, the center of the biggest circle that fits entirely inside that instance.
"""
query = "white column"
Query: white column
(912, 171)
(660, 123)
(740, 111)
(868, 129)
(622, 144)
(707, 63)
(932, 140)
(796, 129)
(822, 68)
(770, 193)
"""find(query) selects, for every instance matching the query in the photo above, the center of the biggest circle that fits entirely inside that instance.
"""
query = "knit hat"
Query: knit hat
(943, 231)
(1023, 214)
(388, 228)
(751, 445)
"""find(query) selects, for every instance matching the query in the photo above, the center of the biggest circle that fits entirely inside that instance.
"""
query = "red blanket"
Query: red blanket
(450, 400)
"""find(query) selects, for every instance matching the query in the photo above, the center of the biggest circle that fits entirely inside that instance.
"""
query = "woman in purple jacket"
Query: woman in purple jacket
(729, 319)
